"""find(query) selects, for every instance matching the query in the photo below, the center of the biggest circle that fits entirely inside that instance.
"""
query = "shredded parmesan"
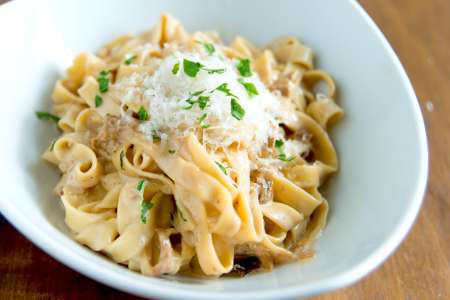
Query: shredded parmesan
(165, 95)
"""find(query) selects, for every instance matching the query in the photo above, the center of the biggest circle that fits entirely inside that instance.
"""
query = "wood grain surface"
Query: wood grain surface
(419, 31)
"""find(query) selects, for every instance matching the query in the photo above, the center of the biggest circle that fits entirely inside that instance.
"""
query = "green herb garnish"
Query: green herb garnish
(197, 93)
(130, 60)
(215, 71)
(243, 67)
(191, 68)
(203, 102)
(52, 145)
(145, 205)
(171, 151)
(42, 115)
(201, 119)
(141, 187)
(224, 89)
(175, 68)
(249, 87)
(98, 101)
(279, 146)
(236, 109)
(222, 168)
(142, 113)
(209, 48)
(190, 104)
(103, 81)
(121, 156)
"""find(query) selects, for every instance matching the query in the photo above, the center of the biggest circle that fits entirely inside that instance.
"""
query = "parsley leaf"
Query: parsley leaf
(203, 102)
(201, 119)
(222, 168)
(279, 146)
(243, 67)
(142, 113)
(141, 187)
(42, 115)
(215, 71)
(103, 81)
(197, 93)
(224, 89)
(191, 104)
(236, 109)
(98, 101)
(283, 157)
(249, 87)
(130, 60)
(145, 207)
(209, 48)
(191, 68)
(122, 154)
(175, 68)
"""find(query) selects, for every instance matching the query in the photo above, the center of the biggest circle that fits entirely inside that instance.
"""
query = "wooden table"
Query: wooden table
(419, 30)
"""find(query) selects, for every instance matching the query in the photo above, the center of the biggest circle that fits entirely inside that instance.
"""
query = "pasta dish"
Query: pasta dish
(182, 154)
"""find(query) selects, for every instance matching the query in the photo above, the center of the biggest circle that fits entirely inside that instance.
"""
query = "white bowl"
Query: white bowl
(381, 141)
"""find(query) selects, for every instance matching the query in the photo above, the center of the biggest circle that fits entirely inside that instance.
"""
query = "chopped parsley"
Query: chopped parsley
(141, 187)
(191, 68)
(197, 93)
(236, 109)
(103, 81)
(203, 102)
(142, 113)
(215, 71)
(209, 48)
(279, 146)
(145, 205)
(130, 60)
(171, 151)
(175, 68)
(249, 87)
(224, 89)
(201, 120)
(98, 101)
(190, 104)
(243, 67)
(222, 168)
(42, 115)
(121, 156)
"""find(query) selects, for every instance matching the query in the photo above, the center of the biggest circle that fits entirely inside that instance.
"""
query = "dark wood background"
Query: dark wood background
(419, 31)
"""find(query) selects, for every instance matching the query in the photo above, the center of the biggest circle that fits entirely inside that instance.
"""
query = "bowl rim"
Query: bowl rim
(70, 258)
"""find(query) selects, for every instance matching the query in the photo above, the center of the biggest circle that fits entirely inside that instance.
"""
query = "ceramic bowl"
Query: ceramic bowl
(381, 142)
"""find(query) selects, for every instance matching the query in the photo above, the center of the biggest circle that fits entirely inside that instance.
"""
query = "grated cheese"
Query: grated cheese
(165, 96)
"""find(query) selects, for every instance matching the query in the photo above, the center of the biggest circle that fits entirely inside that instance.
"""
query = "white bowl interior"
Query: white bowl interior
(381, 141)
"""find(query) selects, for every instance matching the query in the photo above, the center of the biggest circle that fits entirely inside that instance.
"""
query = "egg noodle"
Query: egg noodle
(180, 154)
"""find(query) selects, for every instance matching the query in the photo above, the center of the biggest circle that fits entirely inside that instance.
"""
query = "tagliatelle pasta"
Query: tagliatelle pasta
(181, 154)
